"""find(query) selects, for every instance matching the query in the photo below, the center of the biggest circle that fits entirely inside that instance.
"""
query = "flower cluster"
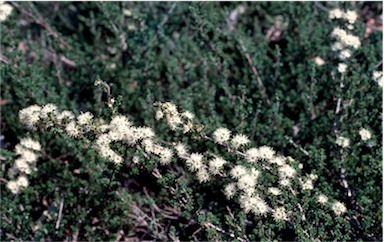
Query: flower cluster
(345, 41)
(244, 183)
(350, 15)
(118, 130)
(26, 150)
(244, 179)
(5, 10)
(174, 119)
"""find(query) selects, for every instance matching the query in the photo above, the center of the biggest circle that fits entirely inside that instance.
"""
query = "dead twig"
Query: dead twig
(255, 72)
(164, 21)
(297, 146)
(39, 20)
(60, 213)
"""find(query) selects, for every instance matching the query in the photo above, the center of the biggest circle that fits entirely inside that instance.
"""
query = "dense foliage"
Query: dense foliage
(264, 69)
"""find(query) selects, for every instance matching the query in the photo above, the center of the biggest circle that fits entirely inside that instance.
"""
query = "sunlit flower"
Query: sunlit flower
(339, 208)
(221, 135)
(365, 134)
(239, 140)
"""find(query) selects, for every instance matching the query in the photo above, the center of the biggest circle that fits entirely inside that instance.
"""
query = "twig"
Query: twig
(165, 20)
(60, 213)
(256, 73)
(210, 225)
(297, 146)
(343, 176)
(379, 64)
(254, 124)
(43, 24)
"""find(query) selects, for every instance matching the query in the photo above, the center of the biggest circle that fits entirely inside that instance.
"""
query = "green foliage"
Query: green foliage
(193, 55)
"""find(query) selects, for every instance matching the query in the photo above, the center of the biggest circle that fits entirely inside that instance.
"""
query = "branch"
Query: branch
(39, 20)
(256, 73)
(165, 20)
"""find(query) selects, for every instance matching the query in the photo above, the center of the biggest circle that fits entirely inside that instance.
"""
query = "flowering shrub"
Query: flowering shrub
(192, 130)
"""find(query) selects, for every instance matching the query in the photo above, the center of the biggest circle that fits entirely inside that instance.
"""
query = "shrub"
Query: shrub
(191, 121)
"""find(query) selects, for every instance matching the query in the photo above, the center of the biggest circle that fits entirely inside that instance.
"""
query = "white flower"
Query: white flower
(350, 27)
(166, 156)
(365, 134)
(253, 204)
(351, 16)
(5, 11)
(230, 190)
(252, 155)
(30, 144)
(378, 77)
(103, 128)
(117, 159)
(285, 182)
(280, 214)
(13, 186)
(342, 141)
(286, 171)
(313, 176)
(221, 135)
(351, 40)
(159, 115)
(103, 140)
(72, 129)
(30, 116)
(239, 140)
(216, 165)
(254, 173)
(170, 108)
(339, 208)
(342, 67)
(65, 115)
(84, 118)
(322, 199)
(337, 46)
(29, 156)
(116, 122)
(136, 159)
(203, 175)
(278, 160)
(266, 152)
(22, 181)
(22, 165)
(336, 14)
(188, 115)
(180, 149)
(195, 162)
(307, 185)
(174, 121)
(274, 191)
(339, 33)
(48, 109)
(246, 182)
(127, 12)
(345, 54)
(115, 136)
(186, 128)
(238, 171)
(148, 145)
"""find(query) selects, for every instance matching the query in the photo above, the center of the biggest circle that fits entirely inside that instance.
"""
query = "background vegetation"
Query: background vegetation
(252, 71)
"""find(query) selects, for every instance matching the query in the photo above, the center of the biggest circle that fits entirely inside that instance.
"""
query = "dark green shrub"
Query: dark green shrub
(247, 66)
